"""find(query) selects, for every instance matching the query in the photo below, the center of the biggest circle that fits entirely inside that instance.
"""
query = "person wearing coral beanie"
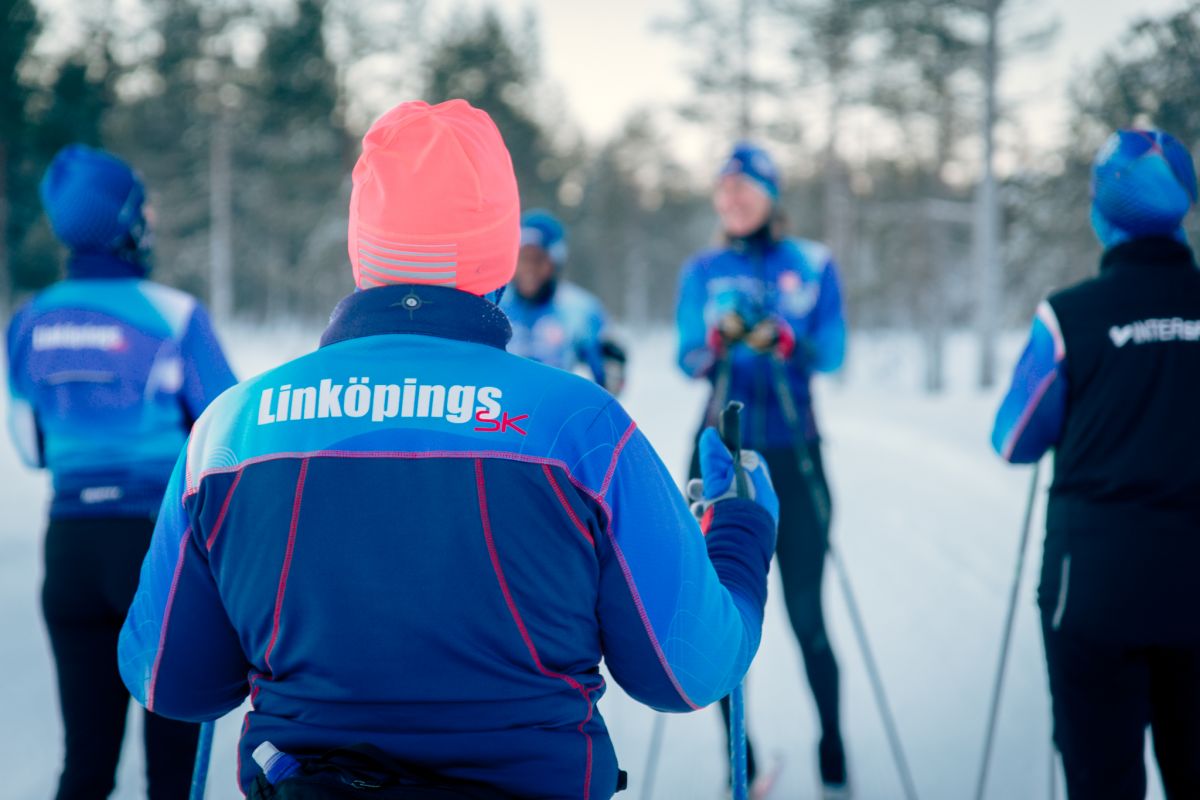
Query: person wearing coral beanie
(411, 549)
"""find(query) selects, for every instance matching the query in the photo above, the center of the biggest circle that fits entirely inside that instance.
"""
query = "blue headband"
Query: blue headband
(755, 163)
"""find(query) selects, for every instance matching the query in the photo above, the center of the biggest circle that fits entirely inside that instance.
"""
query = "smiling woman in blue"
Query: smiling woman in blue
(758, 316)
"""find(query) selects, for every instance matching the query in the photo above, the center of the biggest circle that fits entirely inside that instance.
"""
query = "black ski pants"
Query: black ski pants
(92, 568)
(800, 557)
(1105, 696)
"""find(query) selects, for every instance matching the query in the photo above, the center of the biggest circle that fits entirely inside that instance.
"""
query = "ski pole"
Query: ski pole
(722, 378)
(1006, 638)
(873, 673)
(712, 416)
(731, 435)
(821, 505)
(203, 754)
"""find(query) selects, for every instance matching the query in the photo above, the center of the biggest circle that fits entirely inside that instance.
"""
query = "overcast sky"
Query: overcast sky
(608, 61)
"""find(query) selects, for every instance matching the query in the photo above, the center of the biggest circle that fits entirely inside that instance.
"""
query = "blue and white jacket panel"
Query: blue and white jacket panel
(415, 539)
(565, 331)
(1030, 419)
(795, 280)
(106, 376)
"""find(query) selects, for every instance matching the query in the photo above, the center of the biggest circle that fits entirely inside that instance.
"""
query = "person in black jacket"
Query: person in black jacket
(1109, 381)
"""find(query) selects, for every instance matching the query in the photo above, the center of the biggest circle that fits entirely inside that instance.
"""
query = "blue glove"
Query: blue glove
(717, 484)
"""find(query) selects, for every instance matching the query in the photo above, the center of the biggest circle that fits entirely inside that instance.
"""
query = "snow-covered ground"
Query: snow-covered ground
(927, 521)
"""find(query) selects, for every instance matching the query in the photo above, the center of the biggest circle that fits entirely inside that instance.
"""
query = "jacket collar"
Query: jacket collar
(95, 264)
(759, 243)
(419, 309)
(1149, 251)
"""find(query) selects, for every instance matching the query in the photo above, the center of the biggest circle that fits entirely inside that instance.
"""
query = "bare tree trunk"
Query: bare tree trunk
(935, 254)
(838, 224)
(220, 166)
(935, 247)
(637, 292)
(988, 225)
(745, 123)
(6, 285)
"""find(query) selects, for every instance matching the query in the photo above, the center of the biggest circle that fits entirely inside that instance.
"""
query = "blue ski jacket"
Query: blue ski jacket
(106, 373)
(564, 331)
(414, 539)
(794, 280)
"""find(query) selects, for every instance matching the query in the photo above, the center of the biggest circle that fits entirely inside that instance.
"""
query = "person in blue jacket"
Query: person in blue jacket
(1108, 382)
(758, 315)
(553, 320)
(412, 549)
(107, 372)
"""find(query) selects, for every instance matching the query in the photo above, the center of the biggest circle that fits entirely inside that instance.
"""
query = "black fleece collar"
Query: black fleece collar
(420, 309)
(1149, 251)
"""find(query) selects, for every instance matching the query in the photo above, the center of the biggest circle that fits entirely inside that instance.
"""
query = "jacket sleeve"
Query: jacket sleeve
(826, 340)
(178, 653)
(1031, 416)
(695, 357)
(23, 424)
(206, 373)
(680, 614)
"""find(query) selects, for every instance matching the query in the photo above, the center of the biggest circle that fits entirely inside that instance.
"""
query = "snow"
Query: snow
(927, 521)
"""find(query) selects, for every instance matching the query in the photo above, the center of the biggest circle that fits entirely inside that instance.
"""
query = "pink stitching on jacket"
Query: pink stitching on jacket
(612, 465)
(162, 634)
(525, 637)
(287, 562)
(1027, 414)
(506, 456)
(562, 498)
(212, 537)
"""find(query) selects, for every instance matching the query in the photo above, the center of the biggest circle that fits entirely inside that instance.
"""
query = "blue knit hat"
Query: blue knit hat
(1143, 184)
(542, 229)
(756, 164)
(94, 201)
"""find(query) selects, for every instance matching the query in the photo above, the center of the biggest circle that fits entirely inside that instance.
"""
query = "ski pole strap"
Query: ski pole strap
(731, 435)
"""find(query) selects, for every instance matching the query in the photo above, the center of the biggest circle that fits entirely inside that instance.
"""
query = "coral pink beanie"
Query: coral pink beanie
(434, 201)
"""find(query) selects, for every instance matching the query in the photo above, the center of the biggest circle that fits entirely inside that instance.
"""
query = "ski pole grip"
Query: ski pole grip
(731, 435)
(731, 427)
